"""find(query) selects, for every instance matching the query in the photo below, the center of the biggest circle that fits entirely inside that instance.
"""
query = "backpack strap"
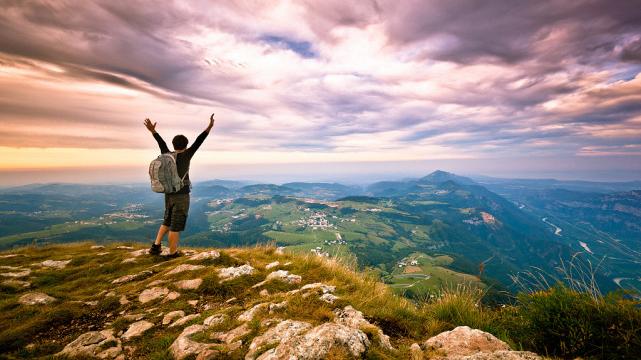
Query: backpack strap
(174, 156)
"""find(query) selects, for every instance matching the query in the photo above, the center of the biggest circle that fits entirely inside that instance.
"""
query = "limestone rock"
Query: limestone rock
(184, 346)
(156, 283)
(123, 300)
(415, 352)
(192, 302)
(214, 320)
(185, 267)
(133, 317)
(16, 283)
(213, 254)
(328, 298)
(129, 261)
(192, 284)
(466, 343)
(283, 331)
(171, 316)
(131, 277)
(320, 286)
(354, 319)
(234, 272)
(90, 344)
(55, 264)
(277, 306)
(272, 265)
(36, 298)
(264, 293)
(282, 275)
(97, 247)
(124, 247)
(139, 252)
(185, 319)
(232, 335)
(318, 342)
(172, 296)
(17, 274)
(280, 250)
(136, 329)
(248, 315)
(154, 293)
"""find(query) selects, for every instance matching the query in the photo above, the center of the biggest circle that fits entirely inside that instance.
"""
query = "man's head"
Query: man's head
(180, 142)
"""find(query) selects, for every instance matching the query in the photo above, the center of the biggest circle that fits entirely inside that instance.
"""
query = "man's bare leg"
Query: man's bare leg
(161, 233)
(174, 237)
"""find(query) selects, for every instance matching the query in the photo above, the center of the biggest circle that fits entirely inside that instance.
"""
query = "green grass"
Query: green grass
(557, 322)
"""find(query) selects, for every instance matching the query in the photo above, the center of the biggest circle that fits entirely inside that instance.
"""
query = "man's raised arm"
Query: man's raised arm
(199, 140)
(161, 143)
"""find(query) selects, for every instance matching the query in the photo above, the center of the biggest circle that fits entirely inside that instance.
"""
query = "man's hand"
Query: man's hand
(211, 123)
(151, 127)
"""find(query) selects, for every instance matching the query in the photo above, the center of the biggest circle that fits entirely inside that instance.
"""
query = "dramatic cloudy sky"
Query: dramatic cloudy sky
(527, 88)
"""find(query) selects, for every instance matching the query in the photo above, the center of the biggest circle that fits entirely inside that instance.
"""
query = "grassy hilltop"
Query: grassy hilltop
(79, 281)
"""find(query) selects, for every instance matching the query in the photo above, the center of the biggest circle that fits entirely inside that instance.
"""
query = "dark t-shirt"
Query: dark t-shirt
(183, 158)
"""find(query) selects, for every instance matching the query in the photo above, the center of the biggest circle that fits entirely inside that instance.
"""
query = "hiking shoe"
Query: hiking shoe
(155, 249)
(174, 255)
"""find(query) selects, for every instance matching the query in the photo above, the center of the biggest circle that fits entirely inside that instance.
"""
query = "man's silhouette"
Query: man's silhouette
(176, 204)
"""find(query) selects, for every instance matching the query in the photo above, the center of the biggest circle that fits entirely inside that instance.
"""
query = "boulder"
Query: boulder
(17, 274)
(136, 329)
(318, 286)
(139, 252)
(277, 306)
(92, 344)
(283, 331)
(185, 267)
(233, 272)
(55, 264)
(329, 298)
(171, 316)
(354, 319)
(230, 336)
(466, 343)
(213, 254)
(272, 265)
(319, 342)
(172, 296)
(215, 319)
(282, 275)
(192, 284)
(156, 283)
(154, 293)
(183, 320)
(36, 298)
(415, 352)
(16, 283)
(131, 277)
(184, 346)
(248, 315)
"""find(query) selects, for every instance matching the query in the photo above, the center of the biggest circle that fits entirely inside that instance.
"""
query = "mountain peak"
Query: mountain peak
(260, 302)
(440, 176)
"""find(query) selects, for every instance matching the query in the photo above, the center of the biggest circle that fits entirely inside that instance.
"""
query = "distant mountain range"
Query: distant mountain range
(490, 227)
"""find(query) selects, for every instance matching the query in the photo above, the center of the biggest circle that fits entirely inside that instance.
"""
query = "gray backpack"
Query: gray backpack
(164, 174)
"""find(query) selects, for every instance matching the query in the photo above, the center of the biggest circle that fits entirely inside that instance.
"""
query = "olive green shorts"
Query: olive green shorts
(176, 210)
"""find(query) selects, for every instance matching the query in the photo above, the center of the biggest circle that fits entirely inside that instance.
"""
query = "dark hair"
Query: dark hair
(180, 142)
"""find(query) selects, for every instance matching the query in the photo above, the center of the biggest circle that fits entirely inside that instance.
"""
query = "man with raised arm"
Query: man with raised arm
(176, 204)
